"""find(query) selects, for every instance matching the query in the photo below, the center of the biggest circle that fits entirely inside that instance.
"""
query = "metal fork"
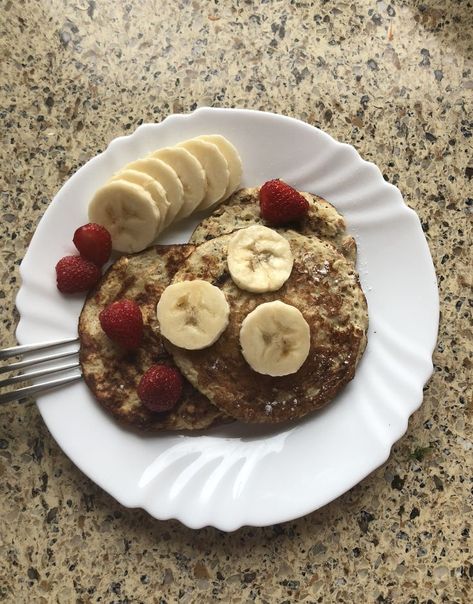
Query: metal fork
(28, 349)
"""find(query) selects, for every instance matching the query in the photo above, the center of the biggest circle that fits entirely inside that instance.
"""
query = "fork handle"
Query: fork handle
(13, 351)
(37, 361)
(36, 388)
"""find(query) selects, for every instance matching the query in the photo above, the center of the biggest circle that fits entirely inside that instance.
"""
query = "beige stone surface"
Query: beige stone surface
(393, 79)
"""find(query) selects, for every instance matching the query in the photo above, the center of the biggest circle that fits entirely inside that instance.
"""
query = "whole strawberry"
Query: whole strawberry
(160, 388)
(280, 203)
(122, 321)
(93, 242)
(76, 274)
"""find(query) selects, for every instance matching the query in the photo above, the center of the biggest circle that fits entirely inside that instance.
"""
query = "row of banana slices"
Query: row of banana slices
(149, 194)
(274, 337)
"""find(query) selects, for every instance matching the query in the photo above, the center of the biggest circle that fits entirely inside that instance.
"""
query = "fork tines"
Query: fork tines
(26, 350)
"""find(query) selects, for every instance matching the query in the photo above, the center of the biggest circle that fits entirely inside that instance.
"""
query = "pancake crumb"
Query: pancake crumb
(215, 365)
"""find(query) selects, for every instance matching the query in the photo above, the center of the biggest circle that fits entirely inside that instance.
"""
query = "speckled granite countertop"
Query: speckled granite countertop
(393, 79)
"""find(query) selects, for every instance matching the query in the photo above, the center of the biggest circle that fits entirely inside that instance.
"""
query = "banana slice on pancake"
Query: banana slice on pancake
(192, 314)
(233, 160)
(128, 212)
(190, 173)
(259, 259)
(152, 186)
(275, 339)
(216, 170)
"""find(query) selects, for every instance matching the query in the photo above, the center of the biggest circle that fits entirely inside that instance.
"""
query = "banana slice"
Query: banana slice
(149, 184)
(167, 177)
(190, 173)
(232, 157)
(192, 314)
(275, 339)
(215, 167)
(128, 212)
(259, 259)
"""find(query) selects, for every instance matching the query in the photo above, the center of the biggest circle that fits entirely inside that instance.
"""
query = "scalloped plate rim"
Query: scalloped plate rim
(383, 454)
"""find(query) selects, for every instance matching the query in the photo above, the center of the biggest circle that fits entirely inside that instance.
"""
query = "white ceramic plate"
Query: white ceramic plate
(240, 475)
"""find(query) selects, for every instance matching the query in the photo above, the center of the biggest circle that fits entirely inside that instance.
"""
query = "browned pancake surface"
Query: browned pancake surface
(324, 286)
(242, 209)
(112, 374)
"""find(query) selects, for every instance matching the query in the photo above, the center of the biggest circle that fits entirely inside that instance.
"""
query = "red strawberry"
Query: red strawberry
(93, 242)
(280, 203)
(160, 388)
(76, 274)
(122, 321)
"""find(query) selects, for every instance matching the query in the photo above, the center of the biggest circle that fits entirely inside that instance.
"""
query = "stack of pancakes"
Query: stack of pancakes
(220, 385)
